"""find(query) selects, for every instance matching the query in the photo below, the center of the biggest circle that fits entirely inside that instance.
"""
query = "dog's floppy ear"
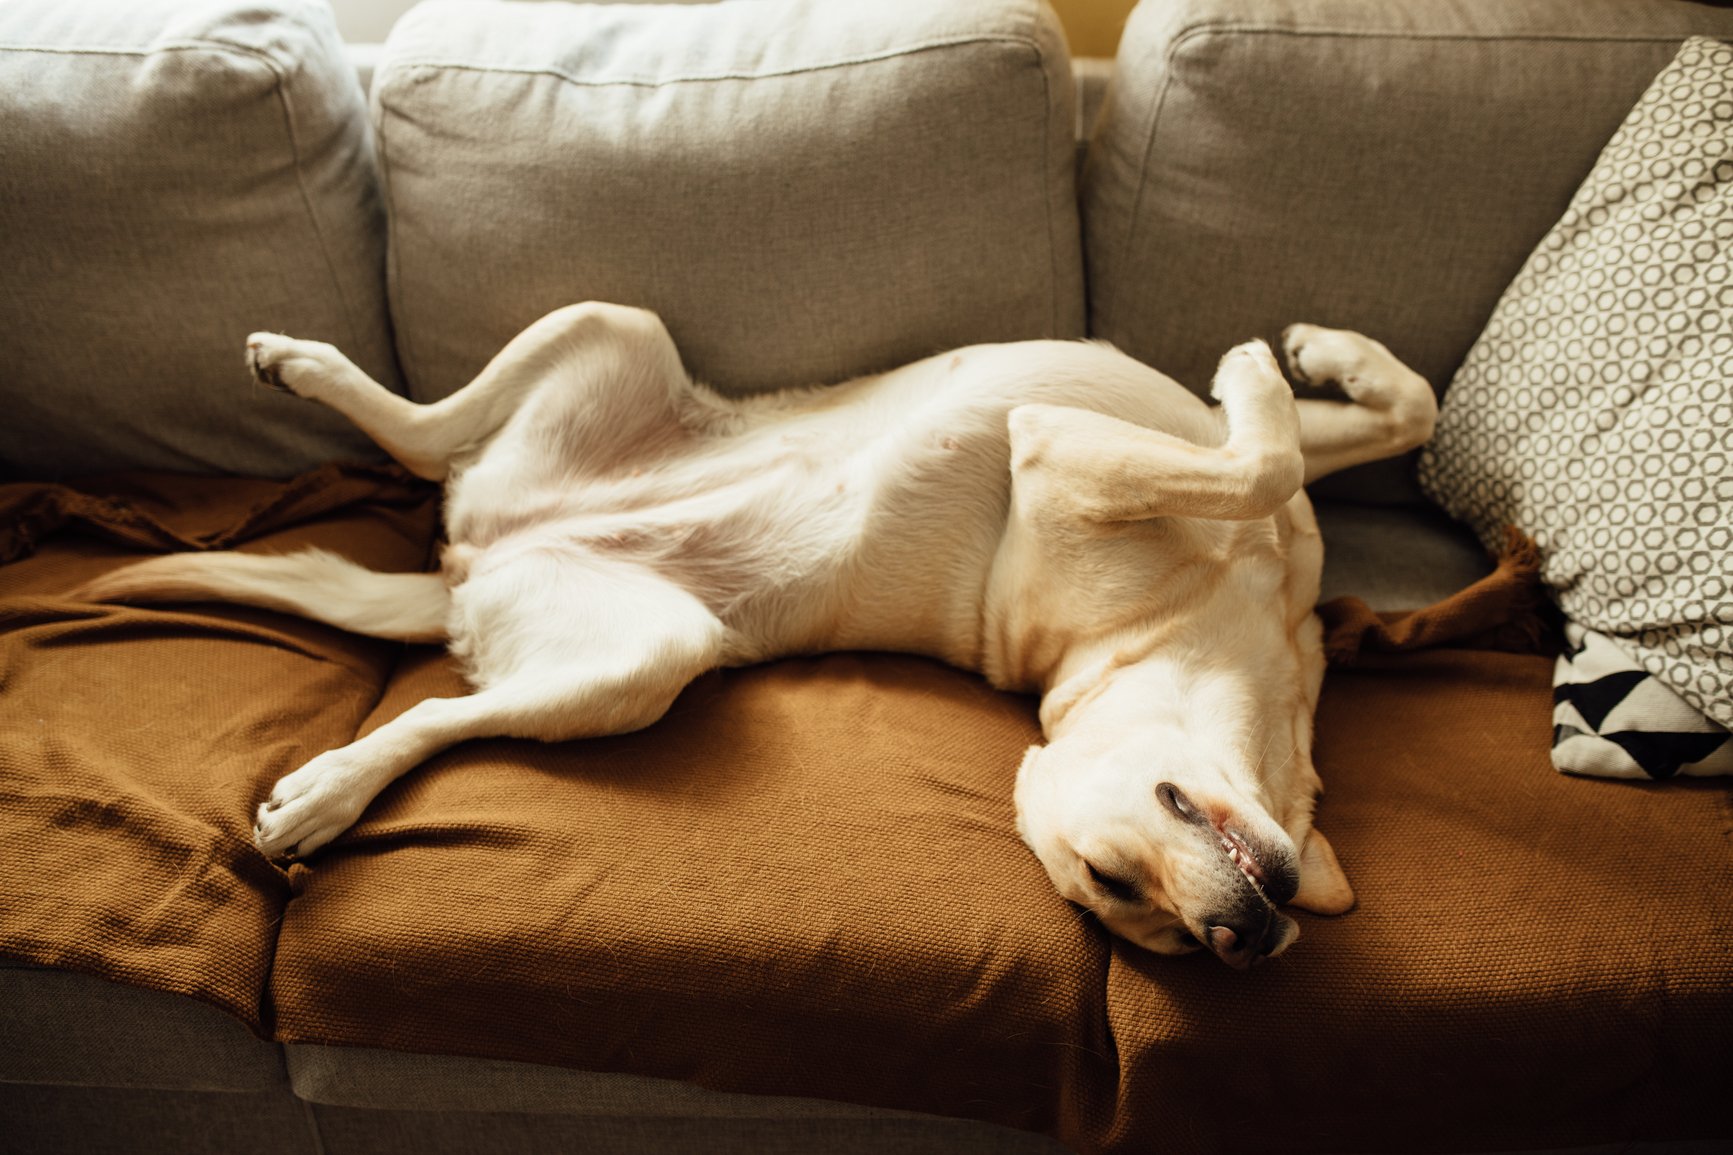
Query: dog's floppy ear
(1324, 888)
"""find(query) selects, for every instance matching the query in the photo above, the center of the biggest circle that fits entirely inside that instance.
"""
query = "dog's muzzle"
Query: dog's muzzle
(1256, 877)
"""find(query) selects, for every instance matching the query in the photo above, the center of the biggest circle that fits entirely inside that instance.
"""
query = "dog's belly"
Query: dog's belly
(864, 516)
(799, 542)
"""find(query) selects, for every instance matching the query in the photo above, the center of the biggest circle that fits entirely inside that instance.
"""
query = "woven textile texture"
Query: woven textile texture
(1595, 413)
(1374, 166)
(135, 741)
(805, 880)
(802, 192)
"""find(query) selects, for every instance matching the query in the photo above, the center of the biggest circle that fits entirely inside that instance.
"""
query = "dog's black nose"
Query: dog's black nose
(1246, 937)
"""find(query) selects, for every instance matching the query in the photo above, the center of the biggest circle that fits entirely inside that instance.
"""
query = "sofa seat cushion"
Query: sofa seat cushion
(803, 881)
(76, 1030)
(135, 742)
(447, 1087)
(1396, 557)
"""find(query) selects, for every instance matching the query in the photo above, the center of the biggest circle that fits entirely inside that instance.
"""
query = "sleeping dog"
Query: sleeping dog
(1054, 515)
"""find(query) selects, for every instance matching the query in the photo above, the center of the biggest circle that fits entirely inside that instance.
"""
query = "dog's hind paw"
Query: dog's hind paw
(264, 360)
(310, 807)
(1360, 366)
(289, 365)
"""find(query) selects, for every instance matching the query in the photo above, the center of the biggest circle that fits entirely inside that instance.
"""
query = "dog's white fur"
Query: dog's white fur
(1055, 515)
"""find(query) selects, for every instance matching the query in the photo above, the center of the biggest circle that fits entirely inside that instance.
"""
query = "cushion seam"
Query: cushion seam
(282, 87)
(1240, 29)
(393, 277)
(1054, 328)
(435, 63)
(182, 45)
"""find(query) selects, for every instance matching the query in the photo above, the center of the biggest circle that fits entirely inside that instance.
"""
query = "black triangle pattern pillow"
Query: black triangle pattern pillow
(1612, 718)
(1595, 412)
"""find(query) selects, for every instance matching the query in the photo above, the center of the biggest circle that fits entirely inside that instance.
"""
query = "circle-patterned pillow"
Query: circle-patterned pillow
(1595, 412)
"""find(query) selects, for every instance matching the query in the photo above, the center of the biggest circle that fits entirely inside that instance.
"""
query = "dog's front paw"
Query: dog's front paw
(310, 807)
(1246, 370)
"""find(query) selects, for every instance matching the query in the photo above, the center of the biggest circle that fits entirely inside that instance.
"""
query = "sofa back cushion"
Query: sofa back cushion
(804, 192)
(174, 176)
(1385, 167)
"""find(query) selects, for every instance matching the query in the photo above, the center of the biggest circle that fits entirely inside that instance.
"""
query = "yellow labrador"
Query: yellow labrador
(1054, 515)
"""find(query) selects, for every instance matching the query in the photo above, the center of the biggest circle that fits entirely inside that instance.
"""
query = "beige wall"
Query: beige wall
(1093, 26)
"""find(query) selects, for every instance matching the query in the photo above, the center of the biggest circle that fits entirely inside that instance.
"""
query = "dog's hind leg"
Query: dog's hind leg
(319, 372)
(1391, 409)
(581, 344)
(564, 647)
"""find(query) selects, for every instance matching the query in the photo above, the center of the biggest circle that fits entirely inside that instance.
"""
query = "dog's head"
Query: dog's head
(1175, 838)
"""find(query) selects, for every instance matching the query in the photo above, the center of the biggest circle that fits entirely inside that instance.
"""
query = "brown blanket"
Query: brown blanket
(135, 742)
(805, 880)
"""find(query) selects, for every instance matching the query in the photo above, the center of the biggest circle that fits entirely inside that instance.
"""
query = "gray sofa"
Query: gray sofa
(1385, 166)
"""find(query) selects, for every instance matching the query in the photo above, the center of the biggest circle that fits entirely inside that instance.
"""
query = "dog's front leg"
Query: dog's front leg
(1089, 465)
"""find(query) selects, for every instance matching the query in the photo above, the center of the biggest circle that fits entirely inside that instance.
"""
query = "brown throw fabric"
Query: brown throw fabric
(167, 512)
(1535, 960)
(135, 741)
(805, 881)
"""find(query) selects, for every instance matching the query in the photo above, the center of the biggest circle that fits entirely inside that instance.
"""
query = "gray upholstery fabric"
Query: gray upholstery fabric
(381, 1079)
(110, 1121)
(1396, 557)
(79, 1121)
(77, 1030)
(174, 176)
(804, 192)
(1384, 167)
(349, 1130)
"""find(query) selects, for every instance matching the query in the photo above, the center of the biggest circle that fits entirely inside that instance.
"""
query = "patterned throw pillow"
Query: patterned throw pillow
(1611, 718)
(1595, 413)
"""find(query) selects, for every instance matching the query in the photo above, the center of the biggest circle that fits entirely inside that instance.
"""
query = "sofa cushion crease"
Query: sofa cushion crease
(131, 853)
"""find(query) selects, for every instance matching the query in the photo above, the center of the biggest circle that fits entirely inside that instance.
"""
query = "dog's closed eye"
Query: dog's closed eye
(1116, 887)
